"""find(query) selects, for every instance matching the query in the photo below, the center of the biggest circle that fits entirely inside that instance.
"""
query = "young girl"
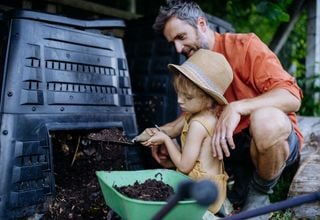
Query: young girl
(200, 83)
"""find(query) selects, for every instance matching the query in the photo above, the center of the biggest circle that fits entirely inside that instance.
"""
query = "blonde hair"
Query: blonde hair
(183, 85)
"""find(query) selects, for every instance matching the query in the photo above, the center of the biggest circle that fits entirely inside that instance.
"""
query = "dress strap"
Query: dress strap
(202, 120)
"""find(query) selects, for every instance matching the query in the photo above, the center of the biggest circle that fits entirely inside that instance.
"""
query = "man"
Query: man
(257, 134)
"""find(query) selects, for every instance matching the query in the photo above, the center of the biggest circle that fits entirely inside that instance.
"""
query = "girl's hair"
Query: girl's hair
(185, 86)
(188, 11)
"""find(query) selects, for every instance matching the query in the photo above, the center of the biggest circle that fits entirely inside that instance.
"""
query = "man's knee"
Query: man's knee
(269, 127)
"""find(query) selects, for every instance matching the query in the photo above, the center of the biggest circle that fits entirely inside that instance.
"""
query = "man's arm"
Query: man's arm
(173, 129)
(231, 115)
(278, 98)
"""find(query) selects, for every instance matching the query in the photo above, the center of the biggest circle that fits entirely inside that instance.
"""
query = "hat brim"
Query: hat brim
(190, 75)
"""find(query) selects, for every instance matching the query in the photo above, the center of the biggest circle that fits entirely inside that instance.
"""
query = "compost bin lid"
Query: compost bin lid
(58, 19)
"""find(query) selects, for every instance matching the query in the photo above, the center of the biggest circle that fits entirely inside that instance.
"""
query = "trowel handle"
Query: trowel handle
(144, 136)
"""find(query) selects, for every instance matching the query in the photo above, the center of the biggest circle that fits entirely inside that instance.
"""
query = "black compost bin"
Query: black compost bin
(57, 73)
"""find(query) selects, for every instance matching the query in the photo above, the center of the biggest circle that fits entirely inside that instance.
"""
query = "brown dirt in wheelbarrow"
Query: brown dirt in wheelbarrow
(150, 190)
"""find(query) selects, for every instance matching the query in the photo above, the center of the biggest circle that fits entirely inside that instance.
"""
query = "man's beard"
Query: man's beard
(201, 42)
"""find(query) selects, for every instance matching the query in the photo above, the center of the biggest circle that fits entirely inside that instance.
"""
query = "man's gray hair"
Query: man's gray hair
(187, 11)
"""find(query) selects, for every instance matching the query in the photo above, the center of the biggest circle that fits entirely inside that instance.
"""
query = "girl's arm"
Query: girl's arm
(184, 160)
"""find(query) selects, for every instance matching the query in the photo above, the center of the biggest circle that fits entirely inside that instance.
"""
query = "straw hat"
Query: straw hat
(208, 70)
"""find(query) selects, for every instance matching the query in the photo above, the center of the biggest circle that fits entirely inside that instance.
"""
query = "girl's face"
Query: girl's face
(192, 104)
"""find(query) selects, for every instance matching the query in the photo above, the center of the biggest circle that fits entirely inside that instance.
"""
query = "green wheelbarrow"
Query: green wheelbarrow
(134, 209)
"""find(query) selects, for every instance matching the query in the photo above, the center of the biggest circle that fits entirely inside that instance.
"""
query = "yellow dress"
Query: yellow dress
(198, 173)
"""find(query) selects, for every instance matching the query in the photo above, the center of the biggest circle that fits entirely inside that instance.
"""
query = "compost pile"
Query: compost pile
(76, 158)
(150, 190)
(110, 136)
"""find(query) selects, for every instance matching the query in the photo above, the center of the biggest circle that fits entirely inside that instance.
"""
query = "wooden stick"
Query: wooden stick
(75, 153)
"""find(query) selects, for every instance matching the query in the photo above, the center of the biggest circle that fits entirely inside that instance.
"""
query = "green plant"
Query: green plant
(281, 192)
(282, 215)
(293, 57)
(310, 105)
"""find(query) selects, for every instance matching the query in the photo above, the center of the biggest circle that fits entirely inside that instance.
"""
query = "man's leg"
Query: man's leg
(270, 149)
(270, 129)
(240, 168)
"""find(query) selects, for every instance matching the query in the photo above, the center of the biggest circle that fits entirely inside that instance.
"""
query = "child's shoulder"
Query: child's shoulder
(207, 117)
(207, 114)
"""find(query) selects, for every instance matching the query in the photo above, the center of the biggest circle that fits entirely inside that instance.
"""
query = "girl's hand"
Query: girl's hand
(157, 138)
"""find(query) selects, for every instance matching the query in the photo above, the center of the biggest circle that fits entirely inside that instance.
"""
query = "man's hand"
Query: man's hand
(160, 154)
(222, 137)
(151, 131)
(158, 149)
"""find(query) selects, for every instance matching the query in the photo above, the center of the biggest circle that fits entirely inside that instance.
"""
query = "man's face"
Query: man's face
(185, 37)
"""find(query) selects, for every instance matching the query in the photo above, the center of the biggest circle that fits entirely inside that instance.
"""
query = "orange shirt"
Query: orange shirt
(256, 70)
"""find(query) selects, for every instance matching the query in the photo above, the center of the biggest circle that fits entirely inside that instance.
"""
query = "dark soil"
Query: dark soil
(76, 158)
(110, 135)
(150, 190)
